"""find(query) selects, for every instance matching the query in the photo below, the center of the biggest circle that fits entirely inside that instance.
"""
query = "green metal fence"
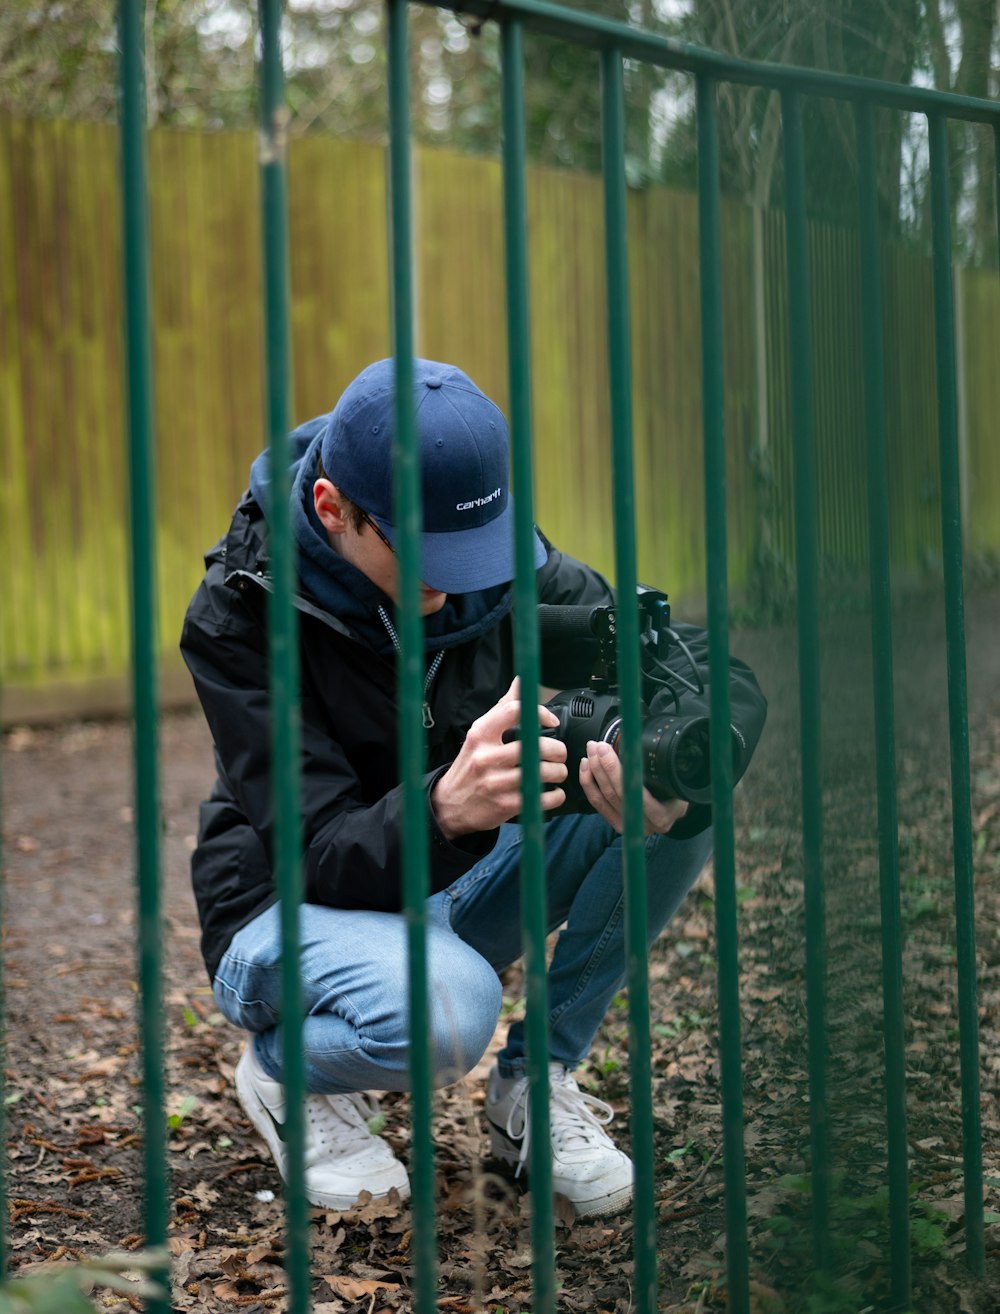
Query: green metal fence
(616, 43)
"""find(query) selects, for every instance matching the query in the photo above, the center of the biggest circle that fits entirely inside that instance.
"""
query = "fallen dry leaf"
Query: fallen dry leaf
(356, 1288)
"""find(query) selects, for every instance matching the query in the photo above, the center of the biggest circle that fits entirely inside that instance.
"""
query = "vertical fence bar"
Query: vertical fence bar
(408, 515)
(620, 362)
(807, 585)
(958, 711)
(533, 895)
(4, 1252)
(283, 641)
(873, 330)
(142, 524)
(713, 404)
(996, 185)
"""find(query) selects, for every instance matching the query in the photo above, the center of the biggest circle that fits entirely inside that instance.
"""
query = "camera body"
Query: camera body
(676, 759)
(676, 750)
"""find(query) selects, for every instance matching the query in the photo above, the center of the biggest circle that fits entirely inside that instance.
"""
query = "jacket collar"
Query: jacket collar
(331, 588)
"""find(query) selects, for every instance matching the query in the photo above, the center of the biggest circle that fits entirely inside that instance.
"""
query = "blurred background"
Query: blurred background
(63, 550)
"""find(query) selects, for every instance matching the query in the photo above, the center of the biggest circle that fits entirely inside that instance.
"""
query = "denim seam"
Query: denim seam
(451, 896)
(341, 1006)
(591, 965)
(219, 983)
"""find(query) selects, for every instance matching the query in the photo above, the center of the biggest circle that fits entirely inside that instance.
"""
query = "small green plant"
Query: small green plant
(377, 1123)
(831, 1297)
(681, 1152)
(187, 1106)
(927, 1234)
(606, 1065)
(691, 1020)
(63, 1289)
(511, 1008)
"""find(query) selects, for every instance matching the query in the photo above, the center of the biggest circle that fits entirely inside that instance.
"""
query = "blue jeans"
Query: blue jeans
(354, 963)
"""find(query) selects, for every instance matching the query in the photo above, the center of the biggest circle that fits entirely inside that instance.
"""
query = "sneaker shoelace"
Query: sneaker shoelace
(576, 1119)
(342, 1120)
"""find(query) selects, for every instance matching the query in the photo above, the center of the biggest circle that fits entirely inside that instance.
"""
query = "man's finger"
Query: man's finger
(505, 713)
(606, 770)
(592, 791)
(552, 750)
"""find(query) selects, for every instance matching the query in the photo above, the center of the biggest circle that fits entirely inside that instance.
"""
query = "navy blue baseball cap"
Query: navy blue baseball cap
(468, 535)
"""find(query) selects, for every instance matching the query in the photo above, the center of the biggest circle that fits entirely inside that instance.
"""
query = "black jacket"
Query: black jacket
(351, 794)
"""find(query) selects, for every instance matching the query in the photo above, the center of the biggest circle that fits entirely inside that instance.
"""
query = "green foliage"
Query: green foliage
(63, 1290)
(830, 1296)
(60, 60)
(854, 1220)
(690, 1020)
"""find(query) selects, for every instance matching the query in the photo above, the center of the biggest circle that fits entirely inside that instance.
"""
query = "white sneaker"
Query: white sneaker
(587, 1167)
(342, 1156)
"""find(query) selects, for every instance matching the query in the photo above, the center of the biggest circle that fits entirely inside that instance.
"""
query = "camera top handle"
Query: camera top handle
(601, 624)
(598, 627)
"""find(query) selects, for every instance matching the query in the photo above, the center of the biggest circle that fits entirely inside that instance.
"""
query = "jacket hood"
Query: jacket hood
(338, 587)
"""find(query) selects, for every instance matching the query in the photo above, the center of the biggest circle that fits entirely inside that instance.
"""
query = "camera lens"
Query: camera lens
(678, 760)
(692, 757)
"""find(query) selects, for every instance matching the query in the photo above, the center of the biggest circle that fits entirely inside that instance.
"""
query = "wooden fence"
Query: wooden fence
(63, 549)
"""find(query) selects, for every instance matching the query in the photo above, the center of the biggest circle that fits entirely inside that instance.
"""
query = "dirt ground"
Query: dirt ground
(72, 1098)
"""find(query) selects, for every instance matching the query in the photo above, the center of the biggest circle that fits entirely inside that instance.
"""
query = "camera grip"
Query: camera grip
(566, 622)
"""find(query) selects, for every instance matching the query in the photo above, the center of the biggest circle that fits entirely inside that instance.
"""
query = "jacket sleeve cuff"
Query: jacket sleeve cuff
(697, 818)
(465, 850)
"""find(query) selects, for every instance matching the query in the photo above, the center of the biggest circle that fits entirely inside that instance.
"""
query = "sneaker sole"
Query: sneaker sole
(257, 1112)
(505, 1151)
(605, 1204)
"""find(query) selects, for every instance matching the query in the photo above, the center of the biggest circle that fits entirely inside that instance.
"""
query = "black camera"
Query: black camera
(676, 752)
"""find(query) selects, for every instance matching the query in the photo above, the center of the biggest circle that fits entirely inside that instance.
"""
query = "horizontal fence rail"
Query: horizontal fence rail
(600, 33)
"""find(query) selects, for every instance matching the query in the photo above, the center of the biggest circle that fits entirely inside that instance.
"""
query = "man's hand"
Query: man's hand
(601, 781)
(482, 787)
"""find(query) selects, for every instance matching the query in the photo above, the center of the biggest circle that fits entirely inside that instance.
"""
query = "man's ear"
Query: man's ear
(329, 506)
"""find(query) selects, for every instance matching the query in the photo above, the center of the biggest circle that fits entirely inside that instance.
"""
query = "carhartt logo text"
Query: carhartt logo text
(478, 501)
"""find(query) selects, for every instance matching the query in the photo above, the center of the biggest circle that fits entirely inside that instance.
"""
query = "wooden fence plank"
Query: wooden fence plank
(16, 614)
(62, 522)
(339, 267)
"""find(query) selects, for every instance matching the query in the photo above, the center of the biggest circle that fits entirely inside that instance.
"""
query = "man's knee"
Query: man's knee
(464, 1007)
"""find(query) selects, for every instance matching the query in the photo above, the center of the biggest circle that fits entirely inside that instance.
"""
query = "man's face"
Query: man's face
(366, 548)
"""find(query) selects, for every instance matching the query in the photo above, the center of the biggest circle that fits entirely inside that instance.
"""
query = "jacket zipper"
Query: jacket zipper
(432, 670)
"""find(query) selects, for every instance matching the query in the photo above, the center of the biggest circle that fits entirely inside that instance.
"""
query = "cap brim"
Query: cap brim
(468, 560)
